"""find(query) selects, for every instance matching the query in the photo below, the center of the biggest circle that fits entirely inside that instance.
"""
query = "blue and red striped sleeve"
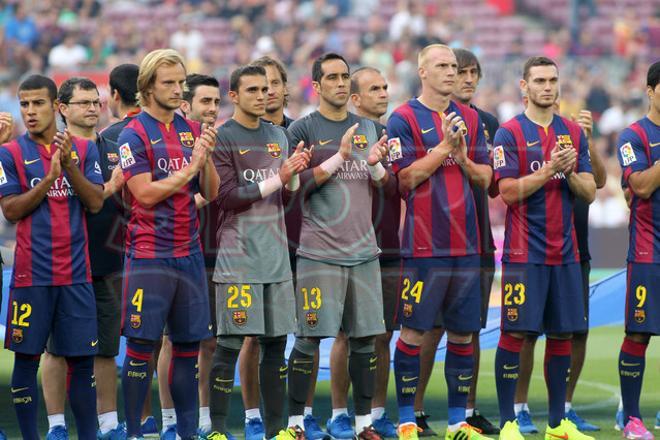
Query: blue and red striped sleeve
(631, 153)
(133, 156)
(584, 160)
(92, 166)
(505, 155)
(403, 151)
(9, 180)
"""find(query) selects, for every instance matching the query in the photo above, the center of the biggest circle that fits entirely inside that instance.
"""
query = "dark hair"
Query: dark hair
(36, 82)
(66, 89)
(355, 87)
(195, 80)
(123, 79)
(466, 58)
(269, 61)
(653, 77)
(317, 70)
(249, 70)
(534, 62)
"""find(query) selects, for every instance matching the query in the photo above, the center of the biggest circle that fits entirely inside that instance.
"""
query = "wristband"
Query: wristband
(269, 186)
(377, 171)
(332, 164)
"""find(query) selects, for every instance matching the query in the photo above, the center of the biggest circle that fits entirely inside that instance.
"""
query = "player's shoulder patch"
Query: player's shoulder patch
(126, 156)
(627, 154)
(394, 149)
(498, 157)
(3, 176)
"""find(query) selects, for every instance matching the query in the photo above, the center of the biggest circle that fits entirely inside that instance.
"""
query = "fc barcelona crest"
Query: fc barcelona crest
(564, 141)
(17, 335)
(640, 316)
(274, 150)
(136, 321)
(239, 317)
(360, 141)
(407, 310)
(187, 139)
(512, 314)
(312, 319)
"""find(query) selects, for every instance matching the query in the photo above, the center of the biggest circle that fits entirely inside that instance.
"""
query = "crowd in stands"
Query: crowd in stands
(602, 46)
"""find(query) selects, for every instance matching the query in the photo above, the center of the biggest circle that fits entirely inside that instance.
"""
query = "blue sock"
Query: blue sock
(135, 384)
(557, 364)
(183, 378)
(459, 366)
(632, 360)
(406, 373)
(507, 366)
(81, 388)
(24, 393)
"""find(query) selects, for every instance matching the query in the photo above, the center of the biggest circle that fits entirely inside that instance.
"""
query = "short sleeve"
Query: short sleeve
(505, 155)
(400, 143)
(584, 159)
(92, 165)
(631, 154)
(133, 156)
(9, 182)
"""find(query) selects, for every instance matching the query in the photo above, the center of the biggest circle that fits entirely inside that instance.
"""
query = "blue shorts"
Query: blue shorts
(170, 291)
(538, 298)
(643, 298)
(443, 290)
(65, 313)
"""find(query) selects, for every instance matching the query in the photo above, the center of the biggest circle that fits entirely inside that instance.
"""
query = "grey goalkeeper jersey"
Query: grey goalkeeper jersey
(336, 225)
(252, 240)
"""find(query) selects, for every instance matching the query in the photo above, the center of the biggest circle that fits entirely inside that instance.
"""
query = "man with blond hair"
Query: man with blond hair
(166, 161)
(438, 150)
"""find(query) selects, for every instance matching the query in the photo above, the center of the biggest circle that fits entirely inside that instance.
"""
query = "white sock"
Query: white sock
(362, 422)
(252, 413)
(56, 420)
(168, 416)
(308, 411)
(296, 421)
(567, 406)
(377, 413)
(338, 411)
(517, 407)
(108, 421)
(204, 418)
(454, 427)
(469, 412)
(620, 405)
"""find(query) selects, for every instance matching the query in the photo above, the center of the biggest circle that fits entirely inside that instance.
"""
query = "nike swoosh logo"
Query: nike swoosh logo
(654, 145)
(373, 359)
(325, 142)
(283, 369)
(18, 390)
(217, 379)
(510, 367)
(627, 364)
(461, 377)
(137, 364)
(242, 152)
(563, 437)
(29, 162)
(408, 379)
(531, 144)
(95, 343)
(154, 142)
(427, 130)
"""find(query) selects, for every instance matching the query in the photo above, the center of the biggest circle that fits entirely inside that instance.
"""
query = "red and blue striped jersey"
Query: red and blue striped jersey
(638, 150)
(51, 241)
(441, 215)
(171, 227)
(539, 229)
